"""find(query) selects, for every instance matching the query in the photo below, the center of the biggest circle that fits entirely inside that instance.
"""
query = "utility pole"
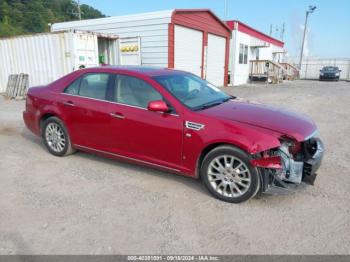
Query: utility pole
(79, 11)
(310, 11)
(225, 11)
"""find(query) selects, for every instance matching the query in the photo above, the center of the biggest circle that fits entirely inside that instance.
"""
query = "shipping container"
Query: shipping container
(194, 40)
(46, 57)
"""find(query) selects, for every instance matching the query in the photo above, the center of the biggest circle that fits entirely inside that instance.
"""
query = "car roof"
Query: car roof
(330, 67)
(143, 70)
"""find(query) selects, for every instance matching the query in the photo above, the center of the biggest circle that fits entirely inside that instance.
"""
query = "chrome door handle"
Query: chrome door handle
(68, 103)
(117, 115)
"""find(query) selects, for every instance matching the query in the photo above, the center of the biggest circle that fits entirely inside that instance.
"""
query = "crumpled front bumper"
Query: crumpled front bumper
(272, 183)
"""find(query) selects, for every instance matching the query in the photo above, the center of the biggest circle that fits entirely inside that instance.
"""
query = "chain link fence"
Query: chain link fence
(310, 68)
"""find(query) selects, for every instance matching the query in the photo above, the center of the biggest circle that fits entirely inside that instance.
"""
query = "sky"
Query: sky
(328, 27)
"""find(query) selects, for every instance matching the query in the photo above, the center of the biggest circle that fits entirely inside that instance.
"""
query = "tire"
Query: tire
(56, 137)
(237, 173)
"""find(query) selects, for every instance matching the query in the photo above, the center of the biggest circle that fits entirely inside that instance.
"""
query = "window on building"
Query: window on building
(241, 51)
(243, 54)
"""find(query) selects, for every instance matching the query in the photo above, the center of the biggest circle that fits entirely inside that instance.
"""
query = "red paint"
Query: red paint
(253, 32)
(203, 20)
(276, 119)
(160, 139)
(200, 19)
(268, 162)
(171, 46)
(158, 106)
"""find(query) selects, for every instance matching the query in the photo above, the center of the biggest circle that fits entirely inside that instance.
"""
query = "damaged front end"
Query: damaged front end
(283, 168)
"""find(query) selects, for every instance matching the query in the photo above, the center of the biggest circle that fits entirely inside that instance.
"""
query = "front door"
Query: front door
(149, 136)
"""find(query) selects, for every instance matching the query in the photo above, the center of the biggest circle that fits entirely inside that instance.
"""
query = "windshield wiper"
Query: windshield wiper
(211, 104)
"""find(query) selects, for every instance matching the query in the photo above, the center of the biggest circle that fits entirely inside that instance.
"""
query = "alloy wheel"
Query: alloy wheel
(55, 137)
(229, 176)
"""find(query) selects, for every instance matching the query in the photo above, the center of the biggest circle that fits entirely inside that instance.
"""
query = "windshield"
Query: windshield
(192, 91)
(330, 68)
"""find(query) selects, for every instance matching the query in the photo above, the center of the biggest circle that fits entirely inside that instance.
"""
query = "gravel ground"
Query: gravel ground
(85, 204)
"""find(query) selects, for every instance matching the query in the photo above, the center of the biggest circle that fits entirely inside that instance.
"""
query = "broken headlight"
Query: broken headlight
(292, 169)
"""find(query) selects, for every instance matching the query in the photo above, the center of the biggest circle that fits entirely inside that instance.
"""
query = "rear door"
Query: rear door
(215, 68)
(87, 111)
(188, 49)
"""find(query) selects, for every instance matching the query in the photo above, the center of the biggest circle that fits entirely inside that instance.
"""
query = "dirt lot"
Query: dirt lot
(84, 204)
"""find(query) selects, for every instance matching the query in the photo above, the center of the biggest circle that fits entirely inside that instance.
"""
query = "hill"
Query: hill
(33, 16)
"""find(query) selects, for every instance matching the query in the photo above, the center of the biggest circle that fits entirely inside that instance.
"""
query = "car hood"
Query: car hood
(285, 122)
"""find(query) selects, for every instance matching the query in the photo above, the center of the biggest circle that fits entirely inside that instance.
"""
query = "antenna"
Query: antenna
(271, 29)
(283, 31)
(225, 9)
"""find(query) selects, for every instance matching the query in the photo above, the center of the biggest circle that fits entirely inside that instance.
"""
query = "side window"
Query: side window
(73, 88)
(134, 91)
(94, 85)
(241, 53)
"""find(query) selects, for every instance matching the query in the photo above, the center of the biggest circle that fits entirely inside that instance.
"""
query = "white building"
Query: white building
(194, 40)
(249, 44)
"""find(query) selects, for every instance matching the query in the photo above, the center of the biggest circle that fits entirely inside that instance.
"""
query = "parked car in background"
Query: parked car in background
(330, 73)
(176, 121)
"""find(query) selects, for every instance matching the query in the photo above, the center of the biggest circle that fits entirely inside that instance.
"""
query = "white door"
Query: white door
(188, 49)
(215, 64)
(130, 50)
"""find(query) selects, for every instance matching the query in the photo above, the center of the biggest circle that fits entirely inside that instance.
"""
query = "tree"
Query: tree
(23, 16)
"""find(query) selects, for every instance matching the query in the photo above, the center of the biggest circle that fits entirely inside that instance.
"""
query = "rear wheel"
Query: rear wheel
(56, 138)
(228, 175)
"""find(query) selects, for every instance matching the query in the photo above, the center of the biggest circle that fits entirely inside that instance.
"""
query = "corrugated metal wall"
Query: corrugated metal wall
(151, 27)
(44, 57)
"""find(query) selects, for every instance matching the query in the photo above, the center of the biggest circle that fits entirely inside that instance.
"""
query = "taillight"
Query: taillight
(29, 103)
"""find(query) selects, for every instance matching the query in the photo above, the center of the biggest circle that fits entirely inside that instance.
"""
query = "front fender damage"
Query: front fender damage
(273, 162)
(293, 163)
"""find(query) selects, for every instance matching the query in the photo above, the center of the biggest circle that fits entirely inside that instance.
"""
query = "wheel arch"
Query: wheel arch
(209, 148)
(45, 116)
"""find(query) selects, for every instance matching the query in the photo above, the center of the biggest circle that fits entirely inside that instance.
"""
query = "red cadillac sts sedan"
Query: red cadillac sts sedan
(175, 121)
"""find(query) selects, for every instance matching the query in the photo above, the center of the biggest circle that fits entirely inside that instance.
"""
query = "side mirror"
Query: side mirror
(158, 106)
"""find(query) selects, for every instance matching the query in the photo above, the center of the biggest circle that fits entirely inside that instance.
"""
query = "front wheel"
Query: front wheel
(228, 175)
(56, 138)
